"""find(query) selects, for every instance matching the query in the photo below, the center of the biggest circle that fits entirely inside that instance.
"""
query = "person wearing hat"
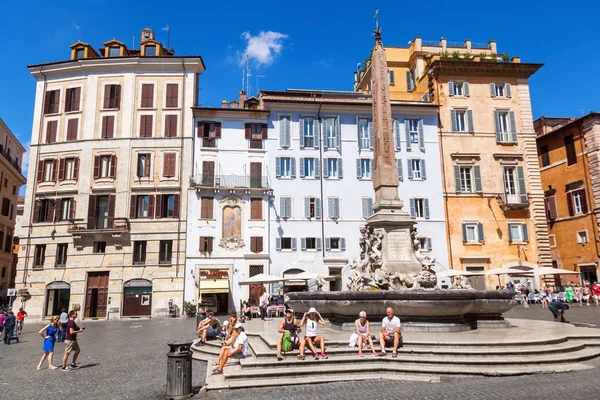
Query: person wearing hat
(312, 320)
(238, 350)
(209, 327)
(288, 325)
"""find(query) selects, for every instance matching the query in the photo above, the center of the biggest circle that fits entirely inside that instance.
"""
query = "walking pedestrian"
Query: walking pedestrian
(557, 308)
(9, 325)
(49, 334)
(544, 298)
(579, 295)
(264, 303)
(2, 318)
(586, 294)
(569, 297)
(524, 292)
(21, 320)
(63, 320)
(71, 344)
(596, 292)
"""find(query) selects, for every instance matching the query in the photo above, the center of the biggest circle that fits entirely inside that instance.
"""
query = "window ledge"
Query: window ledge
(52, 115)
(104, 180)
(286, 250)
(473, 243)
(46, 184)
(520, 242)
(109, 109)
(256, 220)
(257, 150)
(73, 112)
(289, 178)
(310, 178)
(164, 178)
(365, 179)
(146, 109)
(207, 219)
(507, 143)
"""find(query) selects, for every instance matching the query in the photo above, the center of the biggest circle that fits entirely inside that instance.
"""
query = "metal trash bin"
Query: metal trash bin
(179, 370)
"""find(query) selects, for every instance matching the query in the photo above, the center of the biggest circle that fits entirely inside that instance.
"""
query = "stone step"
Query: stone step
(291, 361)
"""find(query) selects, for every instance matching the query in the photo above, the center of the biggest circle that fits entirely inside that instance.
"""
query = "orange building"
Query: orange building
(569, 157)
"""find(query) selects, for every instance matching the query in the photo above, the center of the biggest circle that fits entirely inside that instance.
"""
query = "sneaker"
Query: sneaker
(323, 355)
(394, 355)
(279, 357)
(316, 356)
(375, 354)
(360, 354)
(383, 353)
(301, 358)
(200, 343)
(65, 369)
(74, 366)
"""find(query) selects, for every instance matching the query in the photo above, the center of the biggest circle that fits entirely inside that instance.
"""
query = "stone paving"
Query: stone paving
(127, 360)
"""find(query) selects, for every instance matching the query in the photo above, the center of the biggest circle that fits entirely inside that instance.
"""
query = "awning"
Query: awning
(214, 286)
(58, 285)
(214, 290)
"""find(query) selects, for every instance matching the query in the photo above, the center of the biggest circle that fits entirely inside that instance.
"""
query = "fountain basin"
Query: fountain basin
(450, 310)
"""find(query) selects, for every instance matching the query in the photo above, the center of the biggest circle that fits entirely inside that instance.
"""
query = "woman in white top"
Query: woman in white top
(312, 319)
(363, 330)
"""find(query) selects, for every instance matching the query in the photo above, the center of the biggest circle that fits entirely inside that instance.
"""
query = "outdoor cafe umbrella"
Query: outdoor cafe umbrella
(553, 271)
(503, 271)
(458, 272)
(262, 278)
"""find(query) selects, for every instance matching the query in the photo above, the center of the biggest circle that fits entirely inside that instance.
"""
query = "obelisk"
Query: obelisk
(388, 216)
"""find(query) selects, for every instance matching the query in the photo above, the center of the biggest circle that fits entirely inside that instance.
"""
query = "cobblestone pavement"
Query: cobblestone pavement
(127, 360)
(580, 316)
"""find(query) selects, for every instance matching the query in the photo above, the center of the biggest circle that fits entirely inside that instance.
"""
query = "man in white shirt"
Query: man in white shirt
(239, 349)
(264, 303)
(390, 332)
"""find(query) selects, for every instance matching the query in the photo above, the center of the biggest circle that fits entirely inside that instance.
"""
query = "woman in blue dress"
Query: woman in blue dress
(49, 335)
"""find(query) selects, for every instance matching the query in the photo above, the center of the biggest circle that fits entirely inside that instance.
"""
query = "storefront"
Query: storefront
(57, 298)
(294, 285)
(214, 291)
(137, 298)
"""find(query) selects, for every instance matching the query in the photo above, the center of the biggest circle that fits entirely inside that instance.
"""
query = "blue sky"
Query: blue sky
(312, 44)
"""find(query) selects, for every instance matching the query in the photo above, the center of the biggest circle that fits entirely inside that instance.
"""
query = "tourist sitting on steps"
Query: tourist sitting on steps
(289, 330)
(238, 350)
(363, 332)
(208, 327)
(226, 345)
(227, 329)
(391, 333)
(312, 319)
(557, 308)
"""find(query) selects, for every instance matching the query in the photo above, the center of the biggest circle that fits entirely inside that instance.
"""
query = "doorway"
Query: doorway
(102, 212)
(57, 297)
(137, 298)
(588, 273)
(97, 295)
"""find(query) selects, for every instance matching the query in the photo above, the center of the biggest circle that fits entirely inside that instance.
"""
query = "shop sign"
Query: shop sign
(11, 292)
(114, 310)
(76, 307)
(59, 285)
(214, 274)
(23, 292)
(138, 283)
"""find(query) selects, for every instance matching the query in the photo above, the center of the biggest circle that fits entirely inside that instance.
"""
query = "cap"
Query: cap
(238, 325)
(211, 314)
(289, 311)
(312, 310)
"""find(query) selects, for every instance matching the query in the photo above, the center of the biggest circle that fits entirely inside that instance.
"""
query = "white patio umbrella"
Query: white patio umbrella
(553, 271)
(305, 276)
(504, 271)
(263, 278)
(458, 272)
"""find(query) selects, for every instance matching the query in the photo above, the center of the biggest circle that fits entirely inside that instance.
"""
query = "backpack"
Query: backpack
(286, 345)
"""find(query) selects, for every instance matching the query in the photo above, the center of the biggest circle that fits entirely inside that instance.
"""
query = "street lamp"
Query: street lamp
(271, 196)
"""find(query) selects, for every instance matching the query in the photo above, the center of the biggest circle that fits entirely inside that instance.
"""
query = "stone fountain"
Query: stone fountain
(391, 271)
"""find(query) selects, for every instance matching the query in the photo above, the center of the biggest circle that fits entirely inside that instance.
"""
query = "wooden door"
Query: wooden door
(96, 301)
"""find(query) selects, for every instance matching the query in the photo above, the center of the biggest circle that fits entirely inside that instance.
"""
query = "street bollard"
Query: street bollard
(179, 370)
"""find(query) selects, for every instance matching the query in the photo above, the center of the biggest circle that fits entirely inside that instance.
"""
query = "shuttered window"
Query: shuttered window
(169, 166)
(146, 126)
(72, 99)
(108, 127)
(206, 244)
(147, 95)
(112, 96)
(170, 125)
(172, 95)
(51, 101)
(51, 128)
(570, 149)
(367, 207)
(285, 131)
(334, 207)
(256, 244)
(143, 165)
(544, 156)
(256, 208)
(72, 125)
(206, 207)
(551, 209)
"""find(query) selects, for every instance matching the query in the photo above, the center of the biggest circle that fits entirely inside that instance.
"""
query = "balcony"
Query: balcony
(513, 202)
(11, 160)
(256, 143)
(229, 182)
(85, 227)
(209, 142)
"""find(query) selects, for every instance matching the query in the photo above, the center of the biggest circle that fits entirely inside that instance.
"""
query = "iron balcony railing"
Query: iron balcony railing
(99, 224)
(11, 160)
(230, 181)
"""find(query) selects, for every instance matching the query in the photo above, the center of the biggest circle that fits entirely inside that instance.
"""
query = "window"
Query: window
(139, 252)
(5, 206)
(334, 207)
(391, 77)
(114, 51)
(51, 101)
(506, 128)
(172, 95)
(51, 129)
(312, 207)
(106, 167)
(552, 240)
(112, 96)
(500, 90)
(149, 50)
(99, 247)
(167, 206)
(72, 125)
(285, 207)
(517, 232)
(108, 127)
(544, 156)
(425, 244)
(460, 121)
(285, 135)
(413, 130)
(410, 80)
(170, 125)
(79, 54)
(472, 232)
(332, 130)
(8, 244)
(254, 270)
(68, 169)
(308, 131)
(256, 133)
(284, 167)
(503, 125)
(364, 168)
(169, 165)
(3, 272)
(206, 244)
(335, 243)
(364, 133)
(208, 173)
(72, 98)
(367, 207)
(39, 255)
(146, 126)
(209, 130)
(311, 243)
(143, 165)
(456, 89)
(142, 205)
(14, 189)
(419, 208)
(286, 243)
(256, 208)
(67, 209)
(514, 185)
(582, 237)
(61, 255)
(309, 168)
(44, 210)
(206, 207)
(165, 252)
(333, 168)
(256, 244)
(49, 171)
(550, 206)
(416, 169)
(577, 202)
(147, 95)
(467, 178)
(466, 183)
(570, 149)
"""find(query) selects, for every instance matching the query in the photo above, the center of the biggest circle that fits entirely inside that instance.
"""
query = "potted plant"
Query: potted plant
(189, 309)
(506, 57)
(456, 55)
(483, 57)
(468, 56)
(493, 57)
(444, 55)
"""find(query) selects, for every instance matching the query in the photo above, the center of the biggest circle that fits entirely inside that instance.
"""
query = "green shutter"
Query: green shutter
(453, 120)
(450, 89)
(480, 231)
(277, 167)
(525, 233)
(522, 186)
(477, 174)
(407, 133)
(513, 127)
(396, 128)
(470, 126)
(507, 91)
(493, 89)
(457, 177)
(421, 136)
(466, 89)
(301, 135)
(464, 232)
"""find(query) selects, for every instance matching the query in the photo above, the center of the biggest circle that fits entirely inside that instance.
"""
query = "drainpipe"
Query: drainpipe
(321, 182)
(181, 180)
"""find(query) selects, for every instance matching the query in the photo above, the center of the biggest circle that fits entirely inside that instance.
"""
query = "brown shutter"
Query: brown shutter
(200, 128)
(76, 168)
(113, 166)
(73, 208)
(201, 245)
(56, 102)
(172, 165)
(217, 129)
(75, 107)
(584, 207)
(68, 105)
(259, 244)
(96, 167)
(210, 244)
(264, 129)
(40, 171)
(150, 206)
(58, 207)
(143, 126)
(54, 170)
(166, 158)
(255, 169)
(171, 126)
(51, 129)
(107, 96)
(47, 102)
(132, 206)
(570, 204)
(172, 94)
(92, 212)
(208, 168)
(253, 244)
(158, 207)
(176, 205)
(49, 217)
(72, 129)
(111, 207)
(247, 131)
(61, 169)
(147, 95)
(36, 212)
(117, 96)
(110, 129)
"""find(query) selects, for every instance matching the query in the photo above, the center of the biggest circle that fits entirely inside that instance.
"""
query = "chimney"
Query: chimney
(492, 46)
(224, 104)
(147, 34)
(242, 99)
(443, 44)
(234, 104)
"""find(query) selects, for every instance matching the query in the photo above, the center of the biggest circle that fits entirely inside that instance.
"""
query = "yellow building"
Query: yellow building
(493, 199)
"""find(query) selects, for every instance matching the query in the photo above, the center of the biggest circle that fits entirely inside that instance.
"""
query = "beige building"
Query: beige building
(11, 179)
(105, 218)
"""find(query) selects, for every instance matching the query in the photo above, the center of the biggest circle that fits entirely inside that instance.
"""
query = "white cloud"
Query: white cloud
(77, 27)
(25, 162)
(263, 47)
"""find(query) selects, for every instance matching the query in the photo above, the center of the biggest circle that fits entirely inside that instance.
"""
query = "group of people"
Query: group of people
(8, 323)
(67, 330)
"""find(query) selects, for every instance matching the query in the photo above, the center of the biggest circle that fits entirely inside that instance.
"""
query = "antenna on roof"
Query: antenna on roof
(166, 28)
(258, 76)
(132, 39)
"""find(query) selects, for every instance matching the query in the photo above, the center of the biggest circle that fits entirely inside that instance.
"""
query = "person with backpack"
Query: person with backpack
(289, 330)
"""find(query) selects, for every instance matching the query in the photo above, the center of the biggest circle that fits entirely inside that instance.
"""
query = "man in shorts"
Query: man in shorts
(21, 320)
(558, 309)
(391, 333)
(238, 350)
(71, 344)
(596, 292)
(209, 327)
